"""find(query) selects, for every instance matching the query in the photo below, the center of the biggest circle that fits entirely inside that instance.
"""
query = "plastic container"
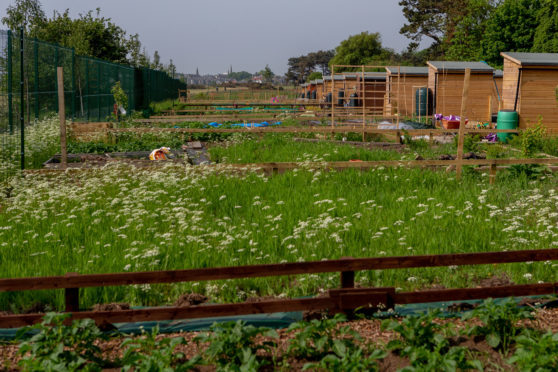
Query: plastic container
(421, 102)
(507, 119)
(450, 124)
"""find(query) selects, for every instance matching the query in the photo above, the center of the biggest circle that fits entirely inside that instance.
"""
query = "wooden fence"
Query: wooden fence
(338, 300)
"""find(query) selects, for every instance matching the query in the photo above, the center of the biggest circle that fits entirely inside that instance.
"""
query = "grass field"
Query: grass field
(123, 219)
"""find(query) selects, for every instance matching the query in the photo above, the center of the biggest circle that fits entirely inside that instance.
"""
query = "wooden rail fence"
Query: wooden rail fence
(338, 300)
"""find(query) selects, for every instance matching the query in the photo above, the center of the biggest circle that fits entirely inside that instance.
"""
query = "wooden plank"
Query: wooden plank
(62, 117)
(173, 313)
(295, 268)
(341, 299)
(464, 294)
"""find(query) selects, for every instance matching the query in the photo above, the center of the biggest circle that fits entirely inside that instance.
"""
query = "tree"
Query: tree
(267, 74)
(156, 64)
(24, 13)
(360, 49)
(320, 59)
(171, 69)
(435, 19)
(465, 43)
(299, 69)
(314, 75)
(546, 34)
(90, 35)
(510, 28)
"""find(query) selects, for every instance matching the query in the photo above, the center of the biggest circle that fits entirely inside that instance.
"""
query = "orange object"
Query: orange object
(355, 160)
(452, 124)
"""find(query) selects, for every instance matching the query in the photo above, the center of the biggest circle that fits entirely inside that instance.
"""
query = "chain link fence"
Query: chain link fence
(29, 92)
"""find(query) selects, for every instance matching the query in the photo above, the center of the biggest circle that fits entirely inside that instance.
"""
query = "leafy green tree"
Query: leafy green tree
(360, 49)
(314, 75)
(24, 13)
(90, 34)
(546, 35)
(511, 28)
(465, 43)
(267, 74)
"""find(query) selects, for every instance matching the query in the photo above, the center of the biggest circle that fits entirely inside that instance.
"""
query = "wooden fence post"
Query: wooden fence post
(62, 116)
(71, 297)
(492, 174)
(347, 277)
(461, 135)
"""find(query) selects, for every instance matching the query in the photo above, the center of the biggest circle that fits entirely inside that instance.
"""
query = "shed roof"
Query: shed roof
(458, 66)
(367, 75)
(317, 81)
(532, 59)
(336, 77)
(408, 70)
(498, 73)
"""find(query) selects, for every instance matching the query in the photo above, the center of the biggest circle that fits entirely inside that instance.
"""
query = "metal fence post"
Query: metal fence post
(10, 79)
(98, 91)
(36, 68)
(73, 102)
(22, 100)
(86, 98)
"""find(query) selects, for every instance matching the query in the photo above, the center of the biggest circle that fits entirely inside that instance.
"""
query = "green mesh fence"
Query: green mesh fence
(31, 70)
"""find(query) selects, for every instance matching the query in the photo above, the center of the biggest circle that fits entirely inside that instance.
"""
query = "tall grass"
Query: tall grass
(124, 219)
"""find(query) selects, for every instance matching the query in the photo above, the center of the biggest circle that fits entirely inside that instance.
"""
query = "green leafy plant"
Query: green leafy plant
(57, 347)
(536, 352)
(499, 322)
(120, 96)
(232, 346)
(532, 139)
(317, 338)
(495, 151)
(442, 358)
(147, 353)
(414, 331)
(348, 359)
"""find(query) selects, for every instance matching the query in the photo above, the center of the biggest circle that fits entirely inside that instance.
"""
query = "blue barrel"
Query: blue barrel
(421, 102)
(507, 119)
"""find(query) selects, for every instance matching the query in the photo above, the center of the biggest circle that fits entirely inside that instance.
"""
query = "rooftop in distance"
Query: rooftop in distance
(532, 59)
(454, 66)
(407, 70)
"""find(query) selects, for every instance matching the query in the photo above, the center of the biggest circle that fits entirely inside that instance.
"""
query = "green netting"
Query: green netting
(87, 85)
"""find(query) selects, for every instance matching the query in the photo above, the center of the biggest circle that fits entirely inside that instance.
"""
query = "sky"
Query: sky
(248, 34)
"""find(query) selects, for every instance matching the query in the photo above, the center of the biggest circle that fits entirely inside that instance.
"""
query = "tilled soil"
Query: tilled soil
(370, 331)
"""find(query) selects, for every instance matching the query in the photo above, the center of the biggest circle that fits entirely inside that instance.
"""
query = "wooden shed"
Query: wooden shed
(319, 84)
(374, 92)
(339, 85)
(401, 86)
(445, 83)
(530, 87)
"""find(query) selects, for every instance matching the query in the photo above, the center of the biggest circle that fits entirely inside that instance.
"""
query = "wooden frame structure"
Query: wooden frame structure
(345, 299)
(531, 87)
(350, 99)
(445, 82)
(409, 79)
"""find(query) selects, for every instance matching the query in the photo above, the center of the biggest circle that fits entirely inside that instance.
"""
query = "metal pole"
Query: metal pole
(22, 100)
(73, 84)
(36, 65)
(10, 89)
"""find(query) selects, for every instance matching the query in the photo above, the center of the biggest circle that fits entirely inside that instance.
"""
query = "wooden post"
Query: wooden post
(332, 98)
(62, 116)
(492, 174)
(347, 277)
(461, 135)
(363, 98)
(71, 297)
(397, 99)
